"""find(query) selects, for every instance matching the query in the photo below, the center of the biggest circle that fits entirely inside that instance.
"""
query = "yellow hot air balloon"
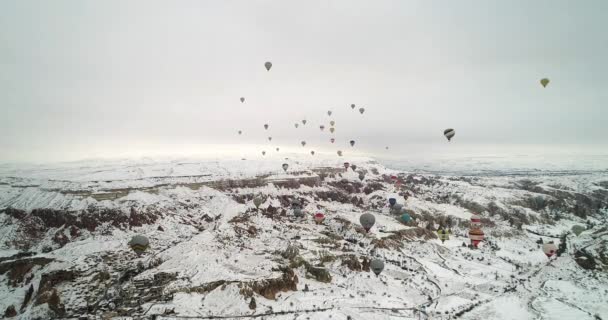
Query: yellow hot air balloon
(544, 82)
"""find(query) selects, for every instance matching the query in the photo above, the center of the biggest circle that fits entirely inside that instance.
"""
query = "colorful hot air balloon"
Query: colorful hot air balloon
(352, 143)
(352, 106)
(475, 221)
(332, 123)
(476, 236)
(139, 244)
(449, 133)
(549, 249)
(321, 127)
(361, 110)
(303, 143)
(332, 129)
(377, 266)
(443, 235)
(346, 164)
(332, 140)
(405, 218)
(268, 65)
(266, 126)
(544, 82)
(394, 179)
(367, 221)
(285, 166)
(329, 112)
(257, 201)
(312, 152)
(242, 99)
(319, 218)
(340, 153)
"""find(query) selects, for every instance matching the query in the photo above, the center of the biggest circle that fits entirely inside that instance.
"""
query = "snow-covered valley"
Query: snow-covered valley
(65, 229)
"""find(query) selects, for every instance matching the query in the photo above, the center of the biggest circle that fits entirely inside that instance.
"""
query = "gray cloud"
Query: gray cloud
(84, 78)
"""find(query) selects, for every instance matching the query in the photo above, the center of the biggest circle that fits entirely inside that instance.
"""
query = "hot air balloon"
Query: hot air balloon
(268, 65)
(303, 143)
(354, 167)
(396, 208)
(297, 125)
(549, 249)
(257, 201)
(475, 221)
(405, 218)
(332, 129)
(377, 266)
(285, 166)
(266, 126)
(443, 235)
(242, 99)
(263, 153)
(361, 110)
(277, 149)
(332, 123)
(476, 236)
(298, 212)
(312, 152)
(339, 153)
(304, 121)
(139, 244)
(319, 217)
(332, 140)
(321, 127)
(352, 143)
(394, 179)
(386, 148)
(346, 165)
(352, 106)
(240, 132)
(449, 133)
(329, 112)
(392, 201)
(544, 82)
(269, 138)
(367, 221)
(578, 229)
(361, 176)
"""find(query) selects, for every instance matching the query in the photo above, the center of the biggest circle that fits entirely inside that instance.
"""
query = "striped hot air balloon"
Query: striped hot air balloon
(476, 236)
(549, 249)
(475, 221)
(319, 217)
(139, 244)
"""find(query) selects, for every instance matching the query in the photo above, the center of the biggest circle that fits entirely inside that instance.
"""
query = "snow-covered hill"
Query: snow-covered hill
(64, 231)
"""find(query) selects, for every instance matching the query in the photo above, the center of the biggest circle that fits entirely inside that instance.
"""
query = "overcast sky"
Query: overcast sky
(81, 79)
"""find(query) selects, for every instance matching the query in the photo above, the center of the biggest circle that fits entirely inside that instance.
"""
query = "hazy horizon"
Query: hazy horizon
(116, 79)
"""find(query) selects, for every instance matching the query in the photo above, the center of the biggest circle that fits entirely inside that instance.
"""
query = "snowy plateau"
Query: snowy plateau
(65, 228)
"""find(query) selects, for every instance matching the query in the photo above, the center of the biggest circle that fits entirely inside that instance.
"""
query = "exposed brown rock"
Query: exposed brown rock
(18, 269)
(10, 311)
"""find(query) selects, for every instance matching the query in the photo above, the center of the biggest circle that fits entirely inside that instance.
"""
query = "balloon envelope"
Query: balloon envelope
(266, 126)
(312, 152)
(285, 166)
(339, 153)
(329, 113)
(449, 133)
(405, 218)
(377, 266)
(268, 65)
(332, 123)
(139, 244)
(361, 110)
(549, 249)
(332, 129)
(578, 229)
(367, 221)
(319, 217)
(257, 201)
(242, 99)
(303, 143)
(544, 82)
(352, 143)
(392, 201)
(352, 106)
